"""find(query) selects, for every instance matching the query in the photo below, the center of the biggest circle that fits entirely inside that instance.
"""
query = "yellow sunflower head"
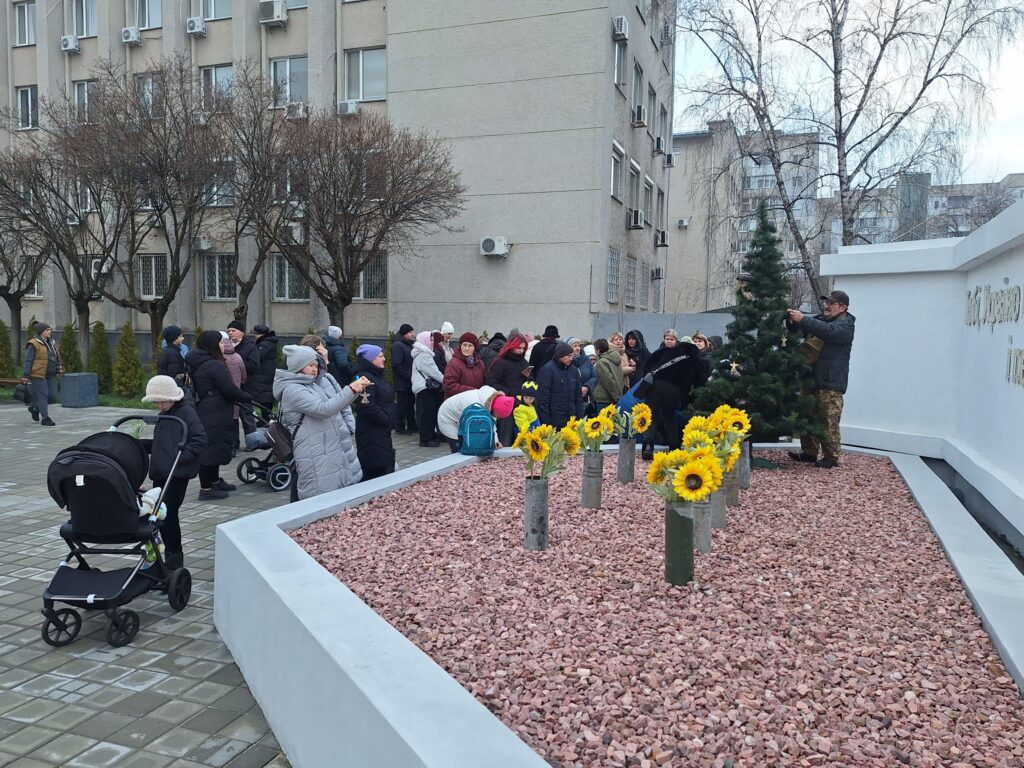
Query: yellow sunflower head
(536, 448)
(732, 456)
(571, 440)
(657, 472)
(702, 451)
(695, 437)
(699, 423)
(544, 432)
(520, 439)
(694, 481)
(641, 418)
(592, 427)
(574, 423)
(739, 421)
(676, 458)
(609, 411)
(608, 425)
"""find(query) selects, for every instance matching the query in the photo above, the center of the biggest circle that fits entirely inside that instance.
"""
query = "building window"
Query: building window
(648, 201)
(28, 107)
(216, 84)
(630, 298)
(222, 188)
(638, 84)
(85, 93)
(618, 158)
(152, 275)
(216, 9)
(25, 23)
(614, 261)
(652, 103)
(366, 74)
(84, 12)
(293, 4)
(656, 295)
(645, 285)
(35, 291)
(663, 128)
(373, 280)
(83, 198)
(288, 283)
(659, 212)
(150, 94)
(148, 14)
(633, 199)
(220, 277)
(620, 63)
(291, 80)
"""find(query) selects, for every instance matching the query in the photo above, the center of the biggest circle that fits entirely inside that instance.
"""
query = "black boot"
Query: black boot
(647, 452)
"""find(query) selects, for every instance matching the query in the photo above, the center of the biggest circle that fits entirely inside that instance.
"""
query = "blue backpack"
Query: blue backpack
(476, 431)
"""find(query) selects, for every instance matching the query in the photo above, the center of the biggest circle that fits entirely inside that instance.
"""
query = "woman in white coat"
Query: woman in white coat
(427, 379)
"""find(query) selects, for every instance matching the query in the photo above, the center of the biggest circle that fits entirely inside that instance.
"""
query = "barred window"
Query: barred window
(288, 283)
(152, 275)
(373, 280)
(656, 295)
(645, 285)
(220, 276)
(614, 265)
(630, 298)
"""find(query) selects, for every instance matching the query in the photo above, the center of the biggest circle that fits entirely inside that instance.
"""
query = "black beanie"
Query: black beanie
(404, 328)
(237, 326)
(261, 330)
(171, 332)
(39, 327)
(562, 349)
(551, 332)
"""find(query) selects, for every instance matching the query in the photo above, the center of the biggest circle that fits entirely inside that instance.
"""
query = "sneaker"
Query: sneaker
(212, 494)
(35, 414)
(48, 422)
(221, 485)
(826, 463)
(430, 444)
(801, 456)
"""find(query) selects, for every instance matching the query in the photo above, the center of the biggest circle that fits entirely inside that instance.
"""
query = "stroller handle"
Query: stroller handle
(153, 419)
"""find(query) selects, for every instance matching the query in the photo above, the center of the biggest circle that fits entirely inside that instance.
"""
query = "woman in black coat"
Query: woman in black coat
(670, 391)
(506, 374)
(636, 350)
(374, 417)
(215, 393)
(171, 363)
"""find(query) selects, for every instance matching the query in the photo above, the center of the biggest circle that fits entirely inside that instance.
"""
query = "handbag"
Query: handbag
(433, 384)
(21, 393)
(282, 440)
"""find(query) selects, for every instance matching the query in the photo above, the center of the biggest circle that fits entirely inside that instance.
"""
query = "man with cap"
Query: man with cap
(559, 393)
(401, 367)
(42, 364)
(261, 383)
(338, 364)
(544, 350)
(833, 331)
(172, 357)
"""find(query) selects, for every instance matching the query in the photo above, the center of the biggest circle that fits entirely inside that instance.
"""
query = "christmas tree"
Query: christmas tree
(760, 368)
(67, 348)
(128, 372)
(99, 358)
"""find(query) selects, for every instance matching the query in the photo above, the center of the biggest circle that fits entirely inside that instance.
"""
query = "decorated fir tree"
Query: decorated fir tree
(760, 368)
(67, 348)
(128, 371)
(6, 353)
(99, 358)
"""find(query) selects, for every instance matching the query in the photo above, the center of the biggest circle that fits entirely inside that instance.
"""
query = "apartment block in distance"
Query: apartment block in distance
(558, 113)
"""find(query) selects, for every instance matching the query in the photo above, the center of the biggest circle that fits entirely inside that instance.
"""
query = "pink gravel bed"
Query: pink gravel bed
(825, 628)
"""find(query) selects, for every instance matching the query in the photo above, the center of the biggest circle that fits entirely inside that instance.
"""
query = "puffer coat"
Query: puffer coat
(424, 367)
(374, 419)
(558, 394)
(461, 375)
(832, 371)
(320, 461)
(215, 392)
(506, 374)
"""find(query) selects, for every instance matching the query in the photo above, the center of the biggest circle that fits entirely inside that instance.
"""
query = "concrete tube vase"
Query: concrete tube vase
(593, 471)
(718, 508)
(732, 487)
(535, 514)
(678, 543)
(744, 466)
(626, 469)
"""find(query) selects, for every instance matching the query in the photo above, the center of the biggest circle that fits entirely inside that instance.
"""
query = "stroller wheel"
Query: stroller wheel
(179, 588)
(279, 477)
(62, 627)
(122, 627)
(248, 470)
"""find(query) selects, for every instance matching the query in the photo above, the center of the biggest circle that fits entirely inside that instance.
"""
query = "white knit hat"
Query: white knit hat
(298, 356)
(447, 327)
(162, 389)
(589, 350)
(334, 332)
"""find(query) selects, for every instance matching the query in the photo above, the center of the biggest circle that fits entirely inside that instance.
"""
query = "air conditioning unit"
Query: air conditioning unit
(494, 246)
(660, 238)
(683, 223)
(203, 243)
(273, 13)
(670, 161)
(658, 273)
(348, 107)
(74, 220)
(636, 219)
(295, 210)
(291, 233)
(640, 116)
(659, 145)
(154, 221)
(195, 26)
(69, 44)
(668, 33)
(131, 36)
(296, 110)
(620, 28)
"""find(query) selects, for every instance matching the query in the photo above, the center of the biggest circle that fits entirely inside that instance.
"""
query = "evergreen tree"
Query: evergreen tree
(389, 373)
(195, 338)
(67, 348)
(761, 369)
(128, 371)
(352, 347)
(99, 358)
(6, 353)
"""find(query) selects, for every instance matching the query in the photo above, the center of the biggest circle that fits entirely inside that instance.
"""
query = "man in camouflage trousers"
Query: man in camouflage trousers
(834, 328)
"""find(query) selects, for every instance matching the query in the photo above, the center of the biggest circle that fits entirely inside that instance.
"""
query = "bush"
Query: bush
(128, 371)
(195, 338)
(99, 358)
(67, 348)
(352, 347)
(6, 353)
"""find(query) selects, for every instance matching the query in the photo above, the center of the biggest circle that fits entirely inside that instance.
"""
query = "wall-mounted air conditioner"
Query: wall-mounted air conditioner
(636, 219)
(640, 116)
(492, 245)
(620, 28)
(660, 238)
(658, 273)
(70, 45)
(349, 108)
(683, 223)
(296, 110)
(204, 243)
(131, 36)
(670, 161)
(273, 13)
(195, 26)
(659, 145)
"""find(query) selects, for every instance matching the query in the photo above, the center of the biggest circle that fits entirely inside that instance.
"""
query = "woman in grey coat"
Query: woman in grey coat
(311, 413)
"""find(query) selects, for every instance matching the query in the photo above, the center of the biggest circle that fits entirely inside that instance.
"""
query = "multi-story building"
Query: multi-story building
(558, 114)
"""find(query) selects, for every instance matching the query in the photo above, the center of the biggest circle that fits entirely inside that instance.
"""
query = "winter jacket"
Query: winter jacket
(490, 351)
(461, 375)
(424, 368)
(832, 371)
(171, 362)
(542, 352)
(609, 378)
(310, 413)
(525, 416)
(215, 392)
(236, 367)
(401, 364)
(41, 359)
(374, 419)
(675, 382)
(261, 382)
(164, 445)
(450, 412)
(339, 366)
(640, 353)
(558, 394)
(352, 473)
(505, 374)
(250, 355)
(588, 376)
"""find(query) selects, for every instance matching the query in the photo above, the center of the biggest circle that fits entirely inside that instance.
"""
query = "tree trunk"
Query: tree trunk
(82, 315)
(157, 313)
(336, 310)
(14, 305)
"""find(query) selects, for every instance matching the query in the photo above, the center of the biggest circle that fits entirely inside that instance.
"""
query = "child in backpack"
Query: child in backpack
(525, 413)
(450, 413)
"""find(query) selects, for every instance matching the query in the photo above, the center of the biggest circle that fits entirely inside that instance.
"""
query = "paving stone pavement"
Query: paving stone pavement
(173, 697)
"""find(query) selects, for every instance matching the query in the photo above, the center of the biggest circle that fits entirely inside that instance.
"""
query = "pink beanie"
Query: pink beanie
(502, 406)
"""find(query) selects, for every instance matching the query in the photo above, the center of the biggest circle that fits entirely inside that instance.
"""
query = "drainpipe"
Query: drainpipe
(708, 246)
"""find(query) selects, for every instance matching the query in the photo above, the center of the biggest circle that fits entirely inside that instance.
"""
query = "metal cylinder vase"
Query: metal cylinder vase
(717, 502)
(678, 543)
(535, 514)
(626, 469)
(744, 466)
(593, 468)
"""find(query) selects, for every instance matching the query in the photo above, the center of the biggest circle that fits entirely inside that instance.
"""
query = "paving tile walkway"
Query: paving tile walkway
(173, 697)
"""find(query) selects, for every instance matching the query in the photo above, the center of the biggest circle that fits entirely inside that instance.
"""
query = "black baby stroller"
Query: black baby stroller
(274, 469)
(98, 482)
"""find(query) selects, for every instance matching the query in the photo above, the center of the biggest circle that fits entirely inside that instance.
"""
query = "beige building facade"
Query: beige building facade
(558, 113)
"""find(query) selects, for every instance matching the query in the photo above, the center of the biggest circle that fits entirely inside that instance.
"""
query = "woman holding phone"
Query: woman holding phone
(506, 374)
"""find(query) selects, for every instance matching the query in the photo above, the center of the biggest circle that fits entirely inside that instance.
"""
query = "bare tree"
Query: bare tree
(879, 88)
(367, 191)
(21, 264)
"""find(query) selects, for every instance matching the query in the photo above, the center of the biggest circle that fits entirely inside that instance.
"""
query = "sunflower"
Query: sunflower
(607, 424)
(641, 418)
(694, 437)
(536, 448)
(521, 439)
(592, 428)
(571, 439)
(657, 472)
(574, 423)
(694, 481)
(739, 421)
(676, 458)
(544, 432)
(609, 411)
(699, 423)
(732, 456)
(701, 452)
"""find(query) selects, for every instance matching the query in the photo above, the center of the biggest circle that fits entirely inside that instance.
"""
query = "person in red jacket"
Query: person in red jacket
(466, 370)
